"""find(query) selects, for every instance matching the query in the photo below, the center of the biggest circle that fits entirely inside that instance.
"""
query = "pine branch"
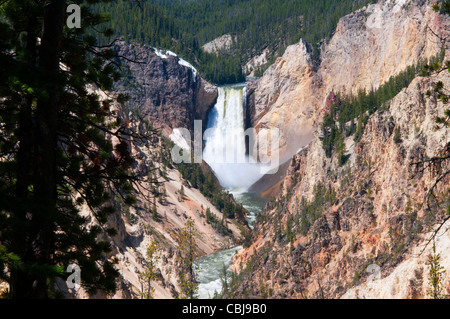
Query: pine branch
(443, 40)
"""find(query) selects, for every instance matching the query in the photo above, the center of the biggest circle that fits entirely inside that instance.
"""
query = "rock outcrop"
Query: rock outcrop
(357, 230)
(368, 47)
(223, 43)
(379, 41)
(279, 99)
(367, 215)
(166, 90)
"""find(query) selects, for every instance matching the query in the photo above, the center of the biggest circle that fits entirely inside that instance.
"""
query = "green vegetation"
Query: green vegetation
(150, 271)
(183, 26)
(219, 225)
(154, 211)
(187, 244)
(435, 275)
(260, 24)
(181, 191)
(259, 262)
(339, 122)
(289, 232)
(146, 23)
(309, 212)
(206, 182)
(397, 136)
(224, 280)
(56, 150)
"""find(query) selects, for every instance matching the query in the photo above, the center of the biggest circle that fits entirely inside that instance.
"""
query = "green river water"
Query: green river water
(210, 268)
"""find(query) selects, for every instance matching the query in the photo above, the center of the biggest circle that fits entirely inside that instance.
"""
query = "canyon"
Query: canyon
(262, 149)
(165, 93)
(368, 47)
(369, 212)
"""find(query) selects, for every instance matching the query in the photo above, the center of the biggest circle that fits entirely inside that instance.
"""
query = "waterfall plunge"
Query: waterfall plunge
(225, 149)
(225, 152)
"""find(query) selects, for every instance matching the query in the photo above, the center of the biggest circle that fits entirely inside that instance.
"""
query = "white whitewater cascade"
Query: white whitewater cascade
(225, 149)
(225, 152)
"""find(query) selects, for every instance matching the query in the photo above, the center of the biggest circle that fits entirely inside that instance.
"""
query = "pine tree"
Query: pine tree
(208, 215)
(290, 234)
(181, 192)
(225, 281)
(397, 136)
(187, 244)
(150, 271)
(56, 147)
(340, 149)
(154, 211)
(435, 275)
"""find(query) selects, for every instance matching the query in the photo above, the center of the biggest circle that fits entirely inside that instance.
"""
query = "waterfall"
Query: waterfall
(225, 152)
(225, 149)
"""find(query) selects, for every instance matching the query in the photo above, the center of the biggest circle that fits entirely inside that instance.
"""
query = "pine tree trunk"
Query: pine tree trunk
(41, 243)
(46, 137)
(191, 266)
(21, 281)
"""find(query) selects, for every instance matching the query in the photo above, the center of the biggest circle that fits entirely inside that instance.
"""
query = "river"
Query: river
(210, 268)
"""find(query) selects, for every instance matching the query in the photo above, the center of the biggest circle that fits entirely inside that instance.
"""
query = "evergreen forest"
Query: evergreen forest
(184, 26)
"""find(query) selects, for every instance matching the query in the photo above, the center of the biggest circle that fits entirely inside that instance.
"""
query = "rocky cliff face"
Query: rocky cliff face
(358, 230)
(168, 92)
(279, 99)
(377, 42)
(368, 47)
(220, 44)
(333, 225)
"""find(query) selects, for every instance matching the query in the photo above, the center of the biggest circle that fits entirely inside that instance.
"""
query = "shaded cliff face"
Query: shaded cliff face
(167, 92)
(368, 47)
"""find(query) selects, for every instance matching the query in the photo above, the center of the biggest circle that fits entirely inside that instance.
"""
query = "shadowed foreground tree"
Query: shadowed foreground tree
(56, 149)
